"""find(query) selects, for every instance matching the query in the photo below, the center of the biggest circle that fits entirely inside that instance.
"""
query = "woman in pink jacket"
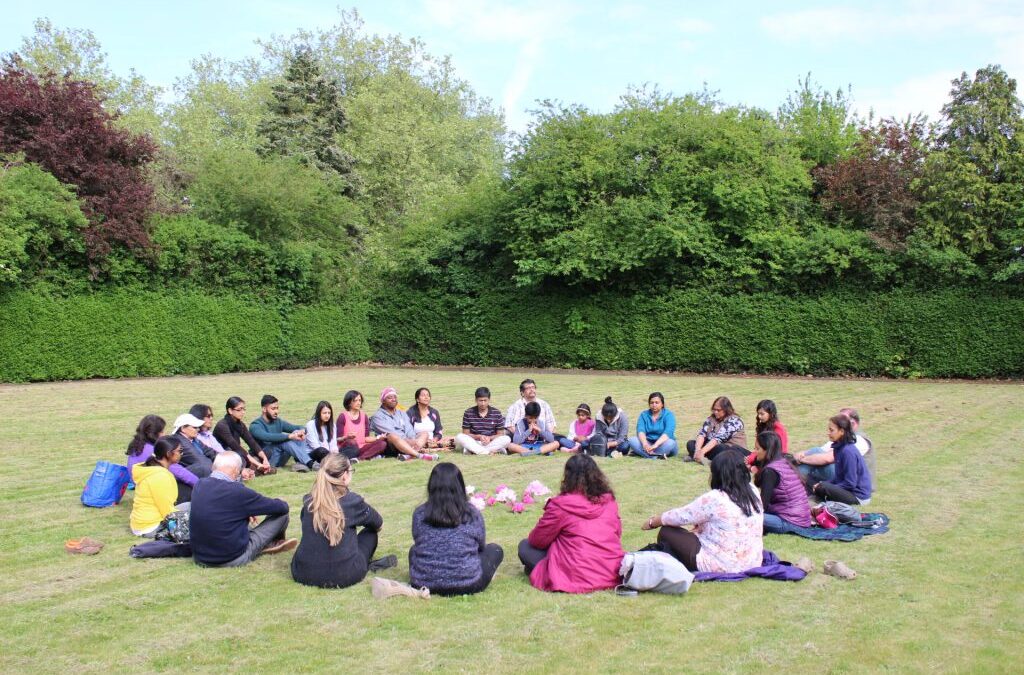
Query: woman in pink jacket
(576, 546)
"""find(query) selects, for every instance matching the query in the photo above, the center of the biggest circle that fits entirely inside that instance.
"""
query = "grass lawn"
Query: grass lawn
(942, 591)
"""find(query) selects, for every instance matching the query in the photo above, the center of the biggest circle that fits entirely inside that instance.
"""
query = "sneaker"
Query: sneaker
(402, 458)
(383, 589)
(615, 454)
(299, 467)
(280, 546)
(387, 562)
(428, 457)
(354, 460)
(316, 466)
(687, 458)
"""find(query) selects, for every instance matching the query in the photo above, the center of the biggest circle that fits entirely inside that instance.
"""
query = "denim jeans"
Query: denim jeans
(817, 474)
(774, 525)
(278, 453)
(669, 448)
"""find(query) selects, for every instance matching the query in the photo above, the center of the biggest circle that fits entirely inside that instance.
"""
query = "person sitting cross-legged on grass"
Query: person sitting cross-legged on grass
(852, 483)
(321, 432)
(818, 464)
(483, 430)
(581, 430)
(783, 494)
(655, 431)
(394, 425)
(355, 439)
(530, 435)
(576, 546)
(339, 529)
(150, 429)
(195, 456)
(156, 488)
(722, 430)
(281, 439)
(222, 510)
(611, 429)
(727, 522)
(450, 554)
(231, 432)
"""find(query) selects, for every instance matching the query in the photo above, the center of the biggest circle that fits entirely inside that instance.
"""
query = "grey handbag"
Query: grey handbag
(656, 572)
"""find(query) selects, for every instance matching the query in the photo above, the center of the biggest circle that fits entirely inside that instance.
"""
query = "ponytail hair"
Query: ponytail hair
(324, 505)
(162, 449)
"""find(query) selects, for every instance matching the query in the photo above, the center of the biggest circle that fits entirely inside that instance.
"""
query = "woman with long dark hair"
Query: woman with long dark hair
(339, 529)
(321, 434)
(231, 430)
(156, 488)
(727, 522)
(783, 493)
(140, 449)
(722, 430)
(852, 484)
(426, 421)
(355, 440)
(449, 554)
(576, 546)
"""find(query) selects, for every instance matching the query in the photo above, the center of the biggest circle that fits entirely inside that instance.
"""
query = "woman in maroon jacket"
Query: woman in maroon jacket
(576, 546)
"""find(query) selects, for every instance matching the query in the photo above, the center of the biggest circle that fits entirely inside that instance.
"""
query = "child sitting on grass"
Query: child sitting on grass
(580, 431)
(530, 435)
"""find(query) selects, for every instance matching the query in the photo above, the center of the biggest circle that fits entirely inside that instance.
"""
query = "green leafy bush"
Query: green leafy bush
(132, 333)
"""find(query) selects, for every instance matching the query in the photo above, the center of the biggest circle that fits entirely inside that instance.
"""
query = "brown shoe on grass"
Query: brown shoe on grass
(280, 546)
(85, 546)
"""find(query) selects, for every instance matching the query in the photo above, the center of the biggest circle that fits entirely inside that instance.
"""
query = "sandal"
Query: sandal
(85, 546)
(839, 569)
(805, 563)
(383, 589)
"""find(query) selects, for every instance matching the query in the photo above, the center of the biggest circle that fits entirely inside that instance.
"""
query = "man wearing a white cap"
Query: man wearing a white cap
(393, 424)
(195, 456)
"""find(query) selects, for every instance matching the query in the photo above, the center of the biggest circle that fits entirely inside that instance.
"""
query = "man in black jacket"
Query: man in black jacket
(195, 456)
(223, 508)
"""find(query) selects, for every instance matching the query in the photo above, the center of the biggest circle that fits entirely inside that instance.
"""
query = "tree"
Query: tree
(305, 119)
(972, 188)
(871, 188)
(819, 122)
(58, 123)
(79, 55)
(40, 223)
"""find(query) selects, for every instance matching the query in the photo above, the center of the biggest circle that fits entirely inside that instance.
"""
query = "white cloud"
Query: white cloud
(692, 26)
(924, 94)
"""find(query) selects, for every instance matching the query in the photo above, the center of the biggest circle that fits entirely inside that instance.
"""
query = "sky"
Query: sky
(896, 58)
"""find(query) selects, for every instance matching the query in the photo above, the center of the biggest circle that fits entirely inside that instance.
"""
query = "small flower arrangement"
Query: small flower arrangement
(503, 494)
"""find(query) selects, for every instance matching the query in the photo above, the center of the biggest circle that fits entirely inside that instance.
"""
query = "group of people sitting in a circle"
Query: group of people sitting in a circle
(574, 547)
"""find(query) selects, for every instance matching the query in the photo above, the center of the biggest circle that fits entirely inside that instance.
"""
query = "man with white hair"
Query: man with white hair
(222, 510)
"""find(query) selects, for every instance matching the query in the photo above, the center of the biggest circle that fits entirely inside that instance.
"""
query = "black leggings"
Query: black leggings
(691, 449)
(366, 540)
(530, 556)
(833, 493)
(682, 544)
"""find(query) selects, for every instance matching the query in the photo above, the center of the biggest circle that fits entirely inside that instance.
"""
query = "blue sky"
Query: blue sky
(898, 57)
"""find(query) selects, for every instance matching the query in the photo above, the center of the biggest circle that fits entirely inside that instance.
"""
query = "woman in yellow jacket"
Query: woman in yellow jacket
(155, 487)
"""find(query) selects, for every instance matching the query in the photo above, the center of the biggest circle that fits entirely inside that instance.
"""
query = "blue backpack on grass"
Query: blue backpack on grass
(106, 485)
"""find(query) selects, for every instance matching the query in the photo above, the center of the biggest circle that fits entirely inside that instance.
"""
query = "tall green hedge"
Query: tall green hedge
(124, 334)
(901, 334)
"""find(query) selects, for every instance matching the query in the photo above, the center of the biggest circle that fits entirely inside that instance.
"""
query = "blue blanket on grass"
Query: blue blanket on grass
(870, 523)
(771, 568)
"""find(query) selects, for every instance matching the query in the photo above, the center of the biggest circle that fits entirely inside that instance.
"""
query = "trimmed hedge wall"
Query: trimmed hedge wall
(126, 334)
(900, 334)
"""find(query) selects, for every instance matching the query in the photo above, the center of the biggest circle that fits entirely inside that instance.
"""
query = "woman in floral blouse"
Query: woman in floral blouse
(727, 522)
(722, 431)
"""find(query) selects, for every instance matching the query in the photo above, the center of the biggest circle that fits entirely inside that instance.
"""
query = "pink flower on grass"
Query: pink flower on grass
(518, 507)
(528, 498)
(491, 501)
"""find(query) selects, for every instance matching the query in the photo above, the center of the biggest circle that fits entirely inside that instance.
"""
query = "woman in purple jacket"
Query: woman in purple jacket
(783, 493)
(151, 427)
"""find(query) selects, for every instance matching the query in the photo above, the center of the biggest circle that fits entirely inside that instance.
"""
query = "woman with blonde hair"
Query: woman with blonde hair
(339, 530)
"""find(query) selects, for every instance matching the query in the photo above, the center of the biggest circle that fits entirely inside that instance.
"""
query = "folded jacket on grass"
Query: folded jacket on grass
(870, 523)
(771, 568)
